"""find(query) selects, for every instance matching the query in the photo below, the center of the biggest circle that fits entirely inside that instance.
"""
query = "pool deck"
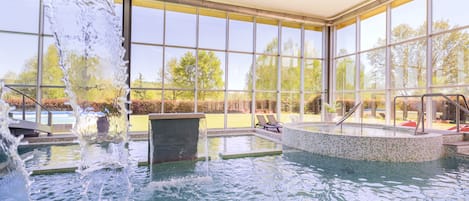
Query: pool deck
(59, 138)
(452, 144)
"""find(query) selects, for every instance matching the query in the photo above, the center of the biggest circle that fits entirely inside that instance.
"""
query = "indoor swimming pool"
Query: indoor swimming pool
(294, 175)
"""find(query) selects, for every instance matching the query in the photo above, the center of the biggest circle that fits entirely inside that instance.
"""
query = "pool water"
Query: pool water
(58, 117)
(358, 131)
(294, 175)
(51, 156)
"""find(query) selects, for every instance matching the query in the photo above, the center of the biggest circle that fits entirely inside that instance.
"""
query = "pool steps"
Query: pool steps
(72, 169)
(259, 153)
(224, 155)
(457, 149)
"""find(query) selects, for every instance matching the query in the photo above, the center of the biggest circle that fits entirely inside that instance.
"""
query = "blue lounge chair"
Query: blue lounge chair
(263, 123)
(273, 121)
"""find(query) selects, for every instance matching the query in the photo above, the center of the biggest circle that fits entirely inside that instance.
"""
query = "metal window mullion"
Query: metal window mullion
(330, 72)
(357, 63)
(196, 87)
(302, 73)
(163, 67)
(429, 64)
(279, 70)
(227, 44)
(40, 52)
(127, 43)
(253, 70)
(387, 83)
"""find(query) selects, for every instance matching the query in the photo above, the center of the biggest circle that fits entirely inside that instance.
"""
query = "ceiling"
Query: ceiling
(324, 9)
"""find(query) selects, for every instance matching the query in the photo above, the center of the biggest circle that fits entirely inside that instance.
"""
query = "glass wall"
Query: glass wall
(29, 60)
(229, 66)
(232, 66)
(183, 59)
(408, 60)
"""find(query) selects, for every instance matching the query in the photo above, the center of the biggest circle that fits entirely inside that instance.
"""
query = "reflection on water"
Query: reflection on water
(69, 155)
(295, 175)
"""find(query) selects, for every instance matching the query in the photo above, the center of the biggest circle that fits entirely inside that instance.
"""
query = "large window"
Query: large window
(291, 39)
(212, 29)
(211, 70)
(147, 23)
(451, 58)
(266, 72)
(267, 36)
(241, 33)
(207, 63)
(403, 28)
(373, 29)
(449, 14)
(373, 69)
(18, 58)
(290, 74)
(346, 37)
(180, 25)
(52, 73)
(20, 16)
(401, 66)
(408, 67)
(227, 65)
(313, 42)
(232, 66)
(345, 73)
(239, 109)
(147, 66)
(239, 71)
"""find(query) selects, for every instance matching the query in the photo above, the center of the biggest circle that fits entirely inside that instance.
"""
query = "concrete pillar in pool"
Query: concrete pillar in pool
(173, 137)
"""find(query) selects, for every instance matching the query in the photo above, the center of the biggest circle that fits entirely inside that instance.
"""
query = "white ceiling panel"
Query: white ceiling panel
(324, 9)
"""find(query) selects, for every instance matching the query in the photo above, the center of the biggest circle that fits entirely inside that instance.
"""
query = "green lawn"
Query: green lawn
(140, 122)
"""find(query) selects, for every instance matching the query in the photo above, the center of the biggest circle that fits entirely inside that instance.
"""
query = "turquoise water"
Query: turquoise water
(50, 156)
(58, 117)
(294, 175)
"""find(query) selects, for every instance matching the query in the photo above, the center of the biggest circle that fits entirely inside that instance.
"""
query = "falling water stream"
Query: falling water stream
(13, 174)
(88, 37)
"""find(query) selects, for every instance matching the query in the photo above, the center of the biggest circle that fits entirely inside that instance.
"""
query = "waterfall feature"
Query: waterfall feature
(14, 179)
(88, 38)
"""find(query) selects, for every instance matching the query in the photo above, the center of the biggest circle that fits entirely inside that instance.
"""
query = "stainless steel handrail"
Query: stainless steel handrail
(23, 105)
(395, 98)
(420, 113)
(456, 104)
(348, 114)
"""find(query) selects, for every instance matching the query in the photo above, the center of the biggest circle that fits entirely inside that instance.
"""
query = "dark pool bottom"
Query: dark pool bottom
(294, 175)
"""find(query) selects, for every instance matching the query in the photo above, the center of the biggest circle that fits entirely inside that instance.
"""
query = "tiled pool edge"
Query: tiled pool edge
(72, 169)
(259, 153)
(392, 149)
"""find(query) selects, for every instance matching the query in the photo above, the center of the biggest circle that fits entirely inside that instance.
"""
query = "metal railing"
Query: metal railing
(395, 98)
(348, 114)
(23, 105)
(421, 117)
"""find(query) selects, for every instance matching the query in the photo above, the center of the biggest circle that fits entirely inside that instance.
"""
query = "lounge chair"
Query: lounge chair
(273, 121)
(263, 123)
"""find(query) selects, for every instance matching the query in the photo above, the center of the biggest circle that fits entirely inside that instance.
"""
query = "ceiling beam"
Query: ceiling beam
(357, 10)
(251, 11)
